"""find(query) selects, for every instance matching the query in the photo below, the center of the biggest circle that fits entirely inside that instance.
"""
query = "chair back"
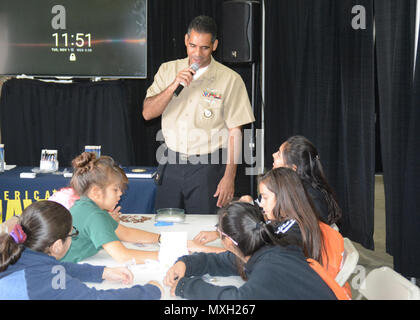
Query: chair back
(386, 284)
(350, 259)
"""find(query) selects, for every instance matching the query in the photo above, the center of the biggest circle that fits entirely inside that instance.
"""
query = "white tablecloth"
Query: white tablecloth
(152, 269)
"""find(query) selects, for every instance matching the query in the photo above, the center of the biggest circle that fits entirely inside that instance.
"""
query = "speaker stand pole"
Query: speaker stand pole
(252, 139)
(262, 146)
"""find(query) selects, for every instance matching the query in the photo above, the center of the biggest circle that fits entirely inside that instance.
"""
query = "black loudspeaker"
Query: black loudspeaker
(241, 31)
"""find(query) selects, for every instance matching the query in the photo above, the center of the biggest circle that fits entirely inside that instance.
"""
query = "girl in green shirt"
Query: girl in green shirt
(100, 183)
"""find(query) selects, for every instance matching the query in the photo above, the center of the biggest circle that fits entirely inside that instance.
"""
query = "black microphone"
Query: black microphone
(181, 86)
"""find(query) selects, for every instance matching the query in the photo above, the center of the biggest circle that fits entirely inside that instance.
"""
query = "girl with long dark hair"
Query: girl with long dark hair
(286, 204)
(300, 155)
(29, 266)
(271, 270)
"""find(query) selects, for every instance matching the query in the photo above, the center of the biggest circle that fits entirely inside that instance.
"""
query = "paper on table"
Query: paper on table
(172, 246)
(141, 173)
(27, 175)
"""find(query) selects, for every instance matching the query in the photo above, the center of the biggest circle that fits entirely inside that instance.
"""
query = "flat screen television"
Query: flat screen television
(74, 38)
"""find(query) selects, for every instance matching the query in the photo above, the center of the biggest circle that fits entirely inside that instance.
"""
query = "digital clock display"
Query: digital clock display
(74, 38)
(79, 40)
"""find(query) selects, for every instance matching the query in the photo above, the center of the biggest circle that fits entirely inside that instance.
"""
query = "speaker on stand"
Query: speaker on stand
(241, 45)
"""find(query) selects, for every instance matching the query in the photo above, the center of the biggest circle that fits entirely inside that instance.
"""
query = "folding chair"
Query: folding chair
(350, 259)
(386, 284)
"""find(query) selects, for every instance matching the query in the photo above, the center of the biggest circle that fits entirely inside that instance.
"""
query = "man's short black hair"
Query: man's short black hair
(204, 24)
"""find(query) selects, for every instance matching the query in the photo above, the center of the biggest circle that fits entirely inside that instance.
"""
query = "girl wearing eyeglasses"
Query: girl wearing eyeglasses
(271, 270)
(29, 266)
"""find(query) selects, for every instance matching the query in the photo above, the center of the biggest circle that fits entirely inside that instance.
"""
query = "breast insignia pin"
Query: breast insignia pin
(208, 113)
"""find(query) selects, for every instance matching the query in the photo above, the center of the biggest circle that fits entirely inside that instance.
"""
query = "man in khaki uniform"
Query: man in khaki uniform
(199, 124)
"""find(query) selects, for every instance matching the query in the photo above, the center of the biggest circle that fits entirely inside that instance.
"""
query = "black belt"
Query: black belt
(218, 157)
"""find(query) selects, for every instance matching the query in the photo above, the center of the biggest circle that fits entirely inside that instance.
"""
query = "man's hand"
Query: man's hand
(226, 187)
(185, 76)
(225, 190)
(153, 107)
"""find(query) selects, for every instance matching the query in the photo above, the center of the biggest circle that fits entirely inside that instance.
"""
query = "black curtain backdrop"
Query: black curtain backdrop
(399, 113)
(407, 255)
(320, 84)
(38, 115)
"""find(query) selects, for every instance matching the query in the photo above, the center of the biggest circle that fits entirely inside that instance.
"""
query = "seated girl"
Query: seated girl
(29, 268)
(286, 203)
(271, 270)
(300, 155)
(100, 183)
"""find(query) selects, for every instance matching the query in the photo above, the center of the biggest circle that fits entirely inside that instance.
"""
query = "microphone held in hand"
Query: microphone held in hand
(181, 86)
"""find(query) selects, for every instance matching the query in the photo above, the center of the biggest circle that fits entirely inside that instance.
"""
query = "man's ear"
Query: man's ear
(187, 39)
(215, 44)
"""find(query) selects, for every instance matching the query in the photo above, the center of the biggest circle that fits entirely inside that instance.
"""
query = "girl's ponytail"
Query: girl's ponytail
(40, 225)
(244, 223)
(11, 246)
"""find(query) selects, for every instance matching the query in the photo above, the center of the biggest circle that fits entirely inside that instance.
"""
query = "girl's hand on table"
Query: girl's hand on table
(121, 274)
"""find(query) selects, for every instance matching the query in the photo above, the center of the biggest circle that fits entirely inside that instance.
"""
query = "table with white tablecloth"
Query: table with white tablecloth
(155, 270)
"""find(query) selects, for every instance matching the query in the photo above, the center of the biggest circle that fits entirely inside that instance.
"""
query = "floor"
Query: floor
(373, 259)
(370, 259)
